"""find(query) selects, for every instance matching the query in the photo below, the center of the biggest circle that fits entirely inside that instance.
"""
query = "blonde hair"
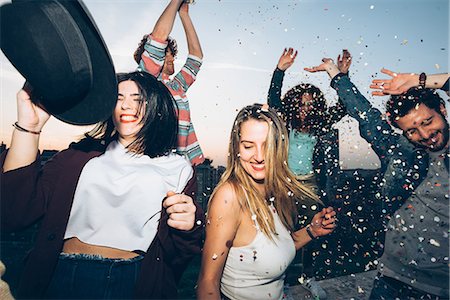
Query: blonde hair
(281, 186)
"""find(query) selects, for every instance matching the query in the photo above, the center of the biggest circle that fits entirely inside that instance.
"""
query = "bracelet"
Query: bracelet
(308, 231)
(422, 80)
(20, 128)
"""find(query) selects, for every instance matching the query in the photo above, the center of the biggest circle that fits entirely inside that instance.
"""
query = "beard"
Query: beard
(437, 147)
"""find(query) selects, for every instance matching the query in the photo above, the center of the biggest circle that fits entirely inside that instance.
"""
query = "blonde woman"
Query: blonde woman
(250, 239)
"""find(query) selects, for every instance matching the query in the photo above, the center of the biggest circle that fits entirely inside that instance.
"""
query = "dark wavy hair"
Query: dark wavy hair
(400, 105)
(171, 45)
(291, 106)
(158, 136)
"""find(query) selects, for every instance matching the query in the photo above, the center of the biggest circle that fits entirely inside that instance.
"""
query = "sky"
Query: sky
(242, 42)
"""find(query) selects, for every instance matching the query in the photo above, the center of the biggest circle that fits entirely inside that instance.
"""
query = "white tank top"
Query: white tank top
(117, 202)
(256, 271)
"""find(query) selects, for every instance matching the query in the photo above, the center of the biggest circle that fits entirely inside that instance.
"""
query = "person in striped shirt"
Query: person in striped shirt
(156, 54)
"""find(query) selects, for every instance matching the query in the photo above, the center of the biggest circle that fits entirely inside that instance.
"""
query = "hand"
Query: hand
(398, 84)
(344, 62)
(29, 115)
(326, 63)
(323, 222)
(287, 58)
(181, 211)
(184, 9)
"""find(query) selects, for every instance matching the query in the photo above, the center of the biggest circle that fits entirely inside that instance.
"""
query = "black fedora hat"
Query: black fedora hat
(57, 47)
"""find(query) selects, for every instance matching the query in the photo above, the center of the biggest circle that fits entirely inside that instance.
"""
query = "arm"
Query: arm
(164, 25)
(373, 128)
(186, 226)
(222, 224)
(337, 112)
(193, 42)
(400, 83)
(286, 60)
(187, 75)
(322, 224)
(22, 193)
(152, 50)
(24, 145)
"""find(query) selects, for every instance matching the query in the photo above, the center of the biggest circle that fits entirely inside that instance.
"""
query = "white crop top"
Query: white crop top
(256, 271)
(117, 202)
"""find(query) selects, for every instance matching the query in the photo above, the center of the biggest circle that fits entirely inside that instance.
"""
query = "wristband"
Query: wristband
(308, 231)
(20, 128)
(422, 80)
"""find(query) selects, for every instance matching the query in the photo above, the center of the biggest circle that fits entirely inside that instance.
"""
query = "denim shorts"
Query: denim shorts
(83, 276)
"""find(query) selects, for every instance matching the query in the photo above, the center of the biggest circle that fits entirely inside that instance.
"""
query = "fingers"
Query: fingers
(172, 198)
(312, 69)
(290, 52)
(346, 54)
(181, 211)
(23, 95)
(388, 72)
(181, 208)
(378, 93)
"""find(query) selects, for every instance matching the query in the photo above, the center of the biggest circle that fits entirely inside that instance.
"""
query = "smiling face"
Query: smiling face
(129, 112)
(425, 127)
(252, 147)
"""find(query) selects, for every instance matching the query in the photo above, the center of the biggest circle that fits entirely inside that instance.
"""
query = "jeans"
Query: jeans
(82, 276)
(387, 288)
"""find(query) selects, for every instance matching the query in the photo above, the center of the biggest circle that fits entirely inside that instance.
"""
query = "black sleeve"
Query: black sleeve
(274, 96)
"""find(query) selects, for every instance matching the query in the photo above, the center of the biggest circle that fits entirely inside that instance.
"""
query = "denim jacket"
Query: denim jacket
(404, 165)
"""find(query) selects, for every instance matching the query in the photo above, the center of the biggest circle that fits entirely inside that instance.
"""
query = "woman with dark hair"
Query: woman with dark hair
(115, 223)
(307, 118)
(311, 137)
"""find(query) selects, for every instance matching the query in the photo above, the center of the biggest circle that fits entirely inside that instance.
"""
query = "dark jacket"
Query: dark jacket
(31, 193)
(326, 152)
(404, 165)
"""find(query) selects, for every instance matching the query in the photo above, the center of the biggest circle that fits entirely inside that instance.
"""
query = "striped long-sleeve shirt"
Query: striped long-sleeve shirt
(152, 61)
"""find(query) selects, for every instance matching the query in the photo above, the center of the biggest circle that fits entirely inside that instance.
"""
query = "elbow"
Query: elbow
(159, 34)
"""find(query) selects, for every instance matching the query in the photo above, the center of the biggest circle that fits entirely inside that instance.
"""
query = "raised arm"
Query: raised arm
(25, 139)
(164, 25)
(337, 112)
(286, 60)
(193, 42)
(151, 51)
(373, 128)
(221, 227)
(400, 83)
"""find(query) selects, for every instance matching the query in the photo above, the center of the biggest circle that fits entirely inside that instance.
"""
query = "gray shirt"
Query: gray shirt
(417, 237)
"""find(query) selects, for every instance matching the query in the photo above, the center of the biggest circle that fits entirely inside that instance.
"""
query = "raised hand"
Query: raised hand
(344, 62)
(398, 84)
(181, 211)
(287, 58)
(326, 63)
(29, 115)
(324, 222)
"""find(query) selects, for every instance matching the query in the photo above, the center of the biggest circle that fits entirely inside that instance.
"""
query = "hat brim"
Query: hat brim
(101, 99)
(53, 70)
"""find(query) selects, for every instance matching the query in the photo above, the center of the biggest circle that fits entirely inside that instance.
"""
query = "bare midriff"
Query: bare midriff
(75, 246)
